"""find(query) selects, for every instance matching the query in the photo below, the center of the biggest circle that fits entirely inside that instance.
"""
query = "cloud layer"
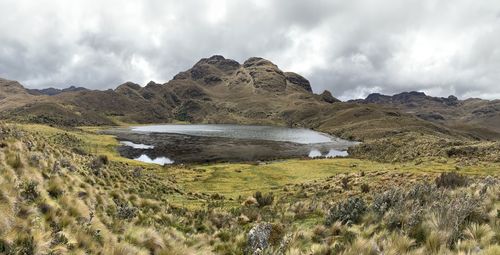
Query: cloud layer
(351, 48)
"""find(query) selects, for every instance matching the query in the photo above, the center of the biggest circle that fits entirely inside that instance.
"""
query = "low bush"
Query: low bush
(385, 201)
(29, 190)
(451, 180)
(14, 160)
(365, 188)
(345, 183)
(124, 210)
(55, 189)
(264, 200)
(347, 212)
(97, 163)
(23, 245)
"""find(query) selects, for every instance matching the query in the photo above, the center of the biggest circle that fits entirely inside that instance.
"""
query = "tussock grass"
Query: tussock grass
(69, 192)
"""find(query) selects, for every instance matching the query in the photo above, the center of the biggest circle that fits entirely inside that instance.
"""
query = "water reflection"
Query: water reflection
(332, 153)
(269, 133)
(225, 143)
(336, 153)
(160, 160)
(315, 153)
(137, 145)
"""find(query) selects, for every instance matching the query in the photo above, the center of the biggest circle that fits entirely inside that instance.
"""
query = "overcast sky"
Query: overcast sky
(351, 48)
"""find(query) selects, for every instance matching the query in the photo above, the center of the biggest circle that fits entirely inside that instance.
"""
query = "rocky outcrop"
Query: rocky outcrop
(298, 80)
(209, 71)
(258, 238)
(409, 98)
(130, 89)
(326, 96)
(266, 76)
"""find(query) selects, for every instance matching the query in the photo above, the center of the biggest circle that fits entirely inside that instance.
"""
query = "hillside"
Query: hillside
(475, 116)
(219, 90)
(68, 192)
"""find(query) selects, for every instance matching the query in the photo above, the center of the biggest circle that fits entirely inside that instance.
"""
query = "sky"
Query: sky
(351, 48)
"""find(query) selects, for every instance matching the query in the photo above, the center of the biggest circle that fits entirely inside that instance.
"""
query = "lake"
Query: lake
(172, 143)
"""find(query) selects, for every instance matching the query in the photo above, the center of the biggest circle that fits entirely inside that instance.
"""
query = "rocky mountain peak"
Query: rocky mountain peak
(152, 84)
(210, 70)
(129, 85)
(10, 86)
(258, 61)
(258, 72)
(326, 96)
(298, 80)
(220, 62)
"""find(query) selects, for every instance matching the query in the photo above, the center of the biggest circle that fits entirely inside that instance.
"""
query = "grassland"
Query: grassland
(67, 191)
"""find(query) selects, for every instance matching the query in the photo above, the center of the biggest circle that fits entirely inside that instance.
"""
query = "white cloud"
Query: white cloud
(349, 47)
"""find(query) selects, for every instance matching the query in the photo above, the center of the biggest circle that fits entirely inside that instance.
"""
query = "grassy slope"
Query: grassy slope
(160, 225)
(233, 180)
(242, 179)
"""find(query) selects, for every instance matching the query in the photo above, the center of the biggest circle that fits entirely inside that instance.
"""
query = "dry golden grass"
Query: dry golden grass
(79, 208)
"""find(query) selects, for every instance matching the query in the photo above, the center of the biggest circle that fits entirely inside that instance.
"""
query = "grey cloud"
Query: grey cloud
(351, 48)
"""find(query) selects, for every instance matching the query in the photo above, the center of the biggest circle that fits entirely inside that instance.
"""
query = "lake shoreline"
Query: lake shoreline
(183, 148)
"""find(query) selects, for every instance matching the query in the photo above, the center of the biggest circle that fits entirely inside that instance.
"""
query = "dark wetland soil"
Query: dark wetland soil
(202, 149)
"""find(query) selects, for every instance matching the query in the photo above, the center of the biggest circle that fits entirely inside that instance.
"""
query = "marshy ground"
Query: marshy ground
(70, 192)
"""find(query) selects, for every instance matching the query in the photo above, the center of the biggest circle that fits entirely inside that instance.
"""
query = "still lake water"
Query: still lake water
(269, 133)
(171, 143)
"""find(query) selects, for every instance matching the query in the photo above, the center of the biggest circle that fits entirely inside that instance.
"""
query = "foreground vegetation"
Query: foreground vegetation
(68, 192)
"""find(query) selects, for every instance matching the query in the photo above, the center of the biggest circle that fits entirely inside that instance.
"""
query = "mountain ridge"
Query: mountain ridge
(220, 90)
(472, 114)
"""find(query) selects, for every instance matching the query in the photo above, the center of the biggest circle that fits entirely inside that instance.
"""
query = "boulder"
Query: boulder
(258, 238)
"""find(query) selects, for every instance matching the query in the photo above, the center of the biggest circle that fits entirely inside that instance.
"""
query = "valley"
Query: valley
(230, 158)
(130, 207)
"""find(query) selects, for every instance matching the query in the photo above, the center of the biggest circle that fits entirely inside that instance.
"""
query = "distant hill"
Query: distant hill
(220, 90)
(54, 91)
(476, 116)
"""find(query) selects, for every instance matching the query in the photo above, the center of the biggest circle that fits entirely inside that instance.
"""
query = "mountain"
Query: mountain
(12, 94)
(475, 116)
(220, 90)
(54, 91)
(215, 89)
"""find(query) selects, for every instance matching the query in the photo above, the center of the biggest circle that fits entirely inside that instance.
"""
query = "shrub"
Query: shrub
(23, 245)
(264, 200)
(451, 180)
(59, 238)
(35, 159)
(55, 189)
(365, 188)
(277, 233)
(4, 247)
(44, 208)
(385, 201)
(224, 236)
(124, 211)
(252, 213)
(219, 219)
(423, 193)
(14, 160)
(29, 190)
(347, 212)
(345, 183)
(99, 162)
(137, 172)
(453, 212)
